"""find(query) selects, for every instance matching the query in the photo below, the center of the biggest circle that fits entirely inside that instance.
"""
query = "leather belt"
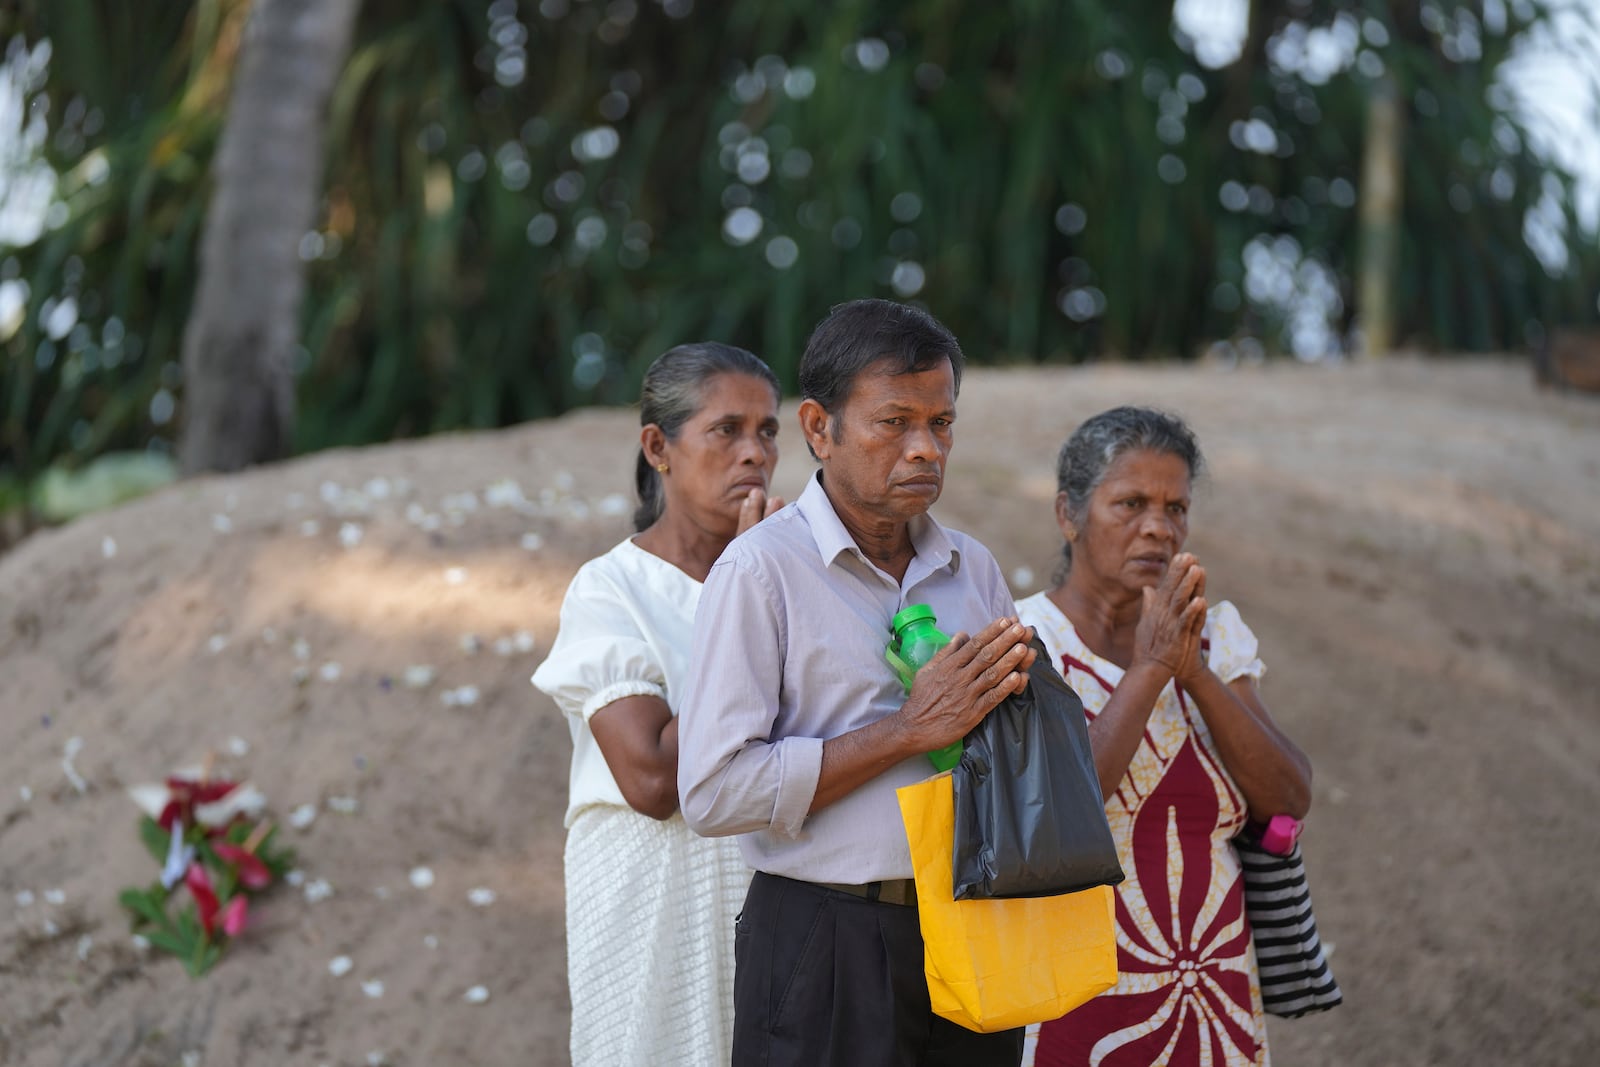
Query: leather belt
(902, 891)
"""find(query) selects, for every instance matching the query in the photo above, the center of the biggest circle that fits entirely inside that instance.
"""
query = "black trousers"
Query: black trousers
(826, 979)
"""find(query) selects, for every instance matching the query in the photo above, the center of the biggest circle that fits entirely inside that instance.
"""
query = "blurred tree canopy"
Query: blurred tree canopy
(527, 200)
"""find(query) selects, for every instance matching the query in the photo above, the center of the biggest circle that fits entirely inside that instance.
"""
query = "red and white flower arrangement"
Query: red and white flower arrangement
(208, 834)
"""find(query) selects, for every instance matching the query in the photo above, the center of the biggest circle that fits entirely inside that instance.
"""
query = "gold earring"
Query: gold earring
(662, 467)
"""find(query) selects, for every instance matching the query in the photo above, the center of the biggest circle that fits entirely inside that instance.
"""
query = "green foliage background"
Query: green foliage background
(1062, 178)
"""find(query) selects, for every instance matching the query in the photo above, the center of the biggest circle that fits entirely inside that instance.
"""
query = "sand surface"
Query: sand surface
(1416, 543)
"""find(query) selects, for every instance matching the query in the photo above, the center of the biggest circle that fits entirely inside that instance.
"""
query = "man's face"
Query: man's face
(884, 451)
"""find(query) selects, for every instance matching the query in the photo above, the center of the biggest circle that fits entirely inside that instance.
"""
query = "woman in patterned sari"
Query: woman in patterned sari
(1185, 748)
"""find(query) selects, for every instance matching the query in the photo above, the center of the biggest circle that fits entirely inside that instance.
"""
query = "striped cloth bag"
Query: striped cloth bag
(1295, 977)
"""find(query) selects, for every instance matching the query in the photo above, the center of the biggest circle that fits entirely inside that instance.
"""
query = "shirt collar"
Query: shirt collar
(934, 549)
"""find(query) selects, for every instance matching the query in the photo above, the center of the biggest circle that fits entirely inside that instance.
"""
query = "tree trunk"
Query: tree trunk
(1382, 179)
(238, 346)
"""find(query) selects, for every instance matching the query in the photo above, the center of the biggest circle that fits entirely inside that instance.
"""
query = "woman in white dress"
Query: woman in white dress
(650, 906)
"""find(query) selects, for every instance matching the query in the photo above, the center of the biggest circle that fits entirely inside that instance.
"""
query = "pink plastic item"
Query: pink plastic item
(1280, 835)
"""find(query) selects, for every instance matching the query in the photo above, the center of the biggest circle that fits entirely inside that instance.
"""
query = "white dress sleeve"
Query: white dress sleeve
(600, 655)
(1234, 647)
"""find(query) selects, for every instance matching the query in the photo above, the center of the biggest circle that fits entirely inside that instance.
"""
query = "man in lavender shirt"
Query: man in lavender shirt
(794, 732)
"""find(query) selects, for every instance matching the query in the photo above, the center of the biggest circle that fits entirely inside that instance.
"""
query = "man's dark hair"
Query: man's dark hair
(857, 334)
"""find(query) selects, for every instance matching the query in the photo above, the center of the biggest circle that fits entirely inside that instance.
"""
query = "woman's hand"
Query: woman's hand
(1173, 615)
(756, 506)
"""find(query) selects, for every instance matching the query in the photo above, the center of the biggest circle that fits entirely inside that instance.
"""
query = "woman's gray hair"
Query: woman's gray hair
(673, 391)
(1093, 447)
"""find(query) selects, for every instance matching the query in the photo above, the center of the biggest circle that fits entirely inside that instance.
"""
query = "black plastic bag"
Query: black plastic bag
(1029, 819)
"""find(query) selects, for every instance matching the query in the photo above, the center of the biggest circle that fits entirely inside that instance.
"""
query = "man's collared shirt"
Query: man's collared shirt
(788, 652)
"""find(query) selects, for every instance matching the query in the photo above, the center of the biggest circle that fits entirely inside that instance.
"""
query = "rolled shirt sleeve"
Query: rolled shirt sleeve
(733, 777)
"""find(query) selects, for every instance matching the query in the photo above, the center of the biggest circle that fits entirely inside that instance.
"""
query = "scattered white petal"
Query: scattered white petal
(222, 524)
(238, 746)
(461, 696)
(329, 491)
(377, 488)
(303, 816)
(504, 646)
(54, 896)
(140, 943)
(431, 522)
(614, 504)
(421, 877)
(344, 805)
(310, 528)
(578, 509)
(340, 966)
(503, 494)
(1022, 578)
(69, 753)
(430, 941)
(455, 575)
(330, 671)
(350, 534)
(381, 892)
(24, 898)
(301, 674)
(532, 542)
(481, 896)
(108, 547)
(50, 928)
(217, 643)
(418, 676)
(376, 1058)
(476, 995)
(301, 649)
(373, 988)
(269, 635)
(296, 878)
(191, 1058)
(565, 481)
(26, 794)
(470, 644)
(318, 890)
(85, 943)
(523, 641)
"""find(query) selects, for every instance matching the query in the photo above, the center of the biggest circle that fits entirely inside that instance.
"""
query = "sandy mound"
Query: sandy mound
(1418, 546)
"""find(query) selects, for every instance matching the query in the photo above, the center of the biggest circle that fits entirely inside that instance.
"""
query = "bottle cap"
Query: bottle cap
(1280, 834)
(908, 615)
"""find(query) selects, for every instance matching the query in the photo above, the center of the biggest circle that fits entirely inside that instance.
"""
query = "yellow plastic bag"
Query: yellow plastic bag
(996, 964)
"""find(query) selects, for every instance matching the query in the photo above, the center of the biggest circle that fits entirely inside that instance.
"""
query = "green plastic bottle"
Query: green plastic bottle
(916, 638)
